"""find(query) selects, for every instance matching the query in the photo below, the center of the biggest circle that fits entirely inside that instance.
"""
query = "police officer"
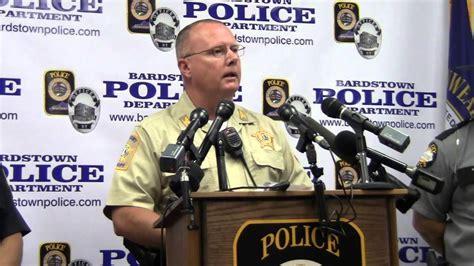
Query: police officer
(208, 58)
(446, 220)
(12, 226)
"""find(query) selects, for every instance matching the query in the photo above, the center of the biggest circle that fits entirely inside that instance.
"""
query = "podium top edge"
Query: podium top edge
(290, 194)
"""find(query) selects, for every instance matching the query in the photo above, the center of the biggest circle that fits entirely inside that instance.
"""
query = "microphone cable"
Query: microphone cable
(348, 196)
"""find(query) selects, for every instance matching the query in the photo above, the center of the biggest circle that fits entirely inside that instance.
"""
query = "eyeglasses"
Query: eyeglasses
(221, 51)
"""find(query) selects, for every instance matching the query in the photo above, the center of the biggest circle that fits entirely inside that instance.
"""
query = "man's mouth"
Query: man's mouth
(230, 75)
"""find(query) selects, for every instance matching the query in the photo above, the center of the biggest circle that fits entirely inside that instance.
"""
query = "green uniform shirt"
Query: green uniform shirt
(139, 182)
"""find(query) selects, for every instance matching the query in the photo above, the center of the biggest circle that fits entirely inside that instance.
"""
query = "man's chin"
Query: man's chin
(231, 86)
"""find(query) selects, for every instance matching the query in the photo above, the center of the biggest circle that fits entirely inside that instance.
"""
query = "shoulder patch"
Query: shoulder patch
(128, 152)
(429, 156)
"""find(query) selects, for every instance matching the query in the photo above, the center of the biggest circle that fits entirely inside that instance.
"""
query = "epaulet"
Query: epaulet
(450, 131)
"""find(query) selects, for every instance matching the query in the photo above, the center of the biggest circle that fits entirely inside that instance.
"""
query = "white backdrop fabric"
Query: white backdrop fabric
(60, 176)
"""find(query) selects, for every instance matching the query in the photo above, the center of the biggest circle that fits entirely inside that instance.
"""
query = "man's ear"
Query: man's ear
(183, 66)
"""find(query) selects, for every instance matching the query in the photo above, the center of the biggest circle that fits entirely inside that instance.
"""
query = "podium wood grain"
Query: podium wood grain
(219, 216)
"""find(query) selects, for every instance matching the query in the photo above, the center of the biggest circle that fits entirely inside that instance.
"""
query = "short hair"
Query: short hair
(184, 34)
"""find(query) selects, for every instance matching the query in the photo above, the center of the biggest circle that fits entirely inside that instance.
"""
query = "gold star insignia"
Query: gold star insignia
(264, 137)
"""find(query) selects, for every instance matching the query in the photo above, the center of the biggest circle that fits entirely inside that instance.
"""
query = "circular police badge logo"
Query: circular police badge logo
(346, 19)
(348, 176)
(303, 106)
(55, 257)
(141, 9)
(164, 27)
(367, 37)
(59, 89)
(275, 96)
(84, 109)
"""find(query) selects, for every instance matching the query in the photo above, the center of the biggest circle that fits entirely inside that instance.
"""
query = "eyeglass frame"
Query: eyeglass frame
(210, 51)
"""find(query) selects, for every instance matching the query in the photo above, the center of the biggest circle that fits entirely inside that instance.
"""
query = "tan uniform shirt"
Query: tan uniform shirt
(139, 182)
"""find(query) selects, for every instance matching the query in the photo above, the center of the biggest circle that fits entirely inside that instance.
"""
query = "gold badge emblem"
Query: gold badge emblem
(55, 253)
(139, 13)
(275, 93)
(264, 137)
(346, 15)
(59, 84)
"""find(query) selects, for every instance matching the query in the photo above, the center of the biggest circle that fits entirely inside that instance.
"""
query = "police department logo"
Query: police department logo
(84, 109)
(59, 85)
(368, 38)
(139, 11)
(302, 105)
(346, 14)
(275, 93)
(346, 174)
(55, 254)
(164, 27)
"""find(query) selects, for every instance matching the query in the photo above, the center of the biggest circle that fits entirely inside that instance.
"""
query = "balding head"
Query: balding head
(184, 34)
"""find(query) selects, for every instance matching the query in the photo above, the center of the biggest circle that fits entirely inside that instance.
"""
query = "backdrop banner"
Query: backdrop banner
(76, 76)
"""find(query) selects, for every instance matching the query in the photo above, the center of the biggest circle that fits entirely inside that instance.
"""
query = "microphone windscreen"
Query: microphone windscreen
(201, 114)
(225, 109)
(345, 146)
(286, 111)
(331, 107)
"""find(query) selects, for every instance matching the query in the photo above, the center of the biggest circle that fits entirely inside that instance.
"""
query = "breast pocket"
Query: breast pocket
(465, 176)
(269, 165)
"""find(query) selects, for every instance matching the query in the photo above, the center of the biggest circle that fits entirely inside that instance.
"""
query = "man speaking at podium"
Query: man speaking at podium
(208, 58)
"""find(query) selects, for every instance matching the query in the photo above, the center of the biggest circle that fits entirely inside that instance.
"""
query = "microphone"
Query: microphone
(387, 135)
(224, 111)
(174, 155)
(315, 131)
(345, 147)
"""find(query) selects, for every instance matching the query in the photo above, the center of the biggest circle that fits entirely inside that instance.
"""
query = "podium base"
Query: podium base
(374, 185)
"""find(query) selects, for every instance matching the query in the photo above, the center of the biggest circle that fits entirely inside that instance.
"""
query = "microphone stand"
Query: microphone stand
(188, 207)
(305, 145)
(221, 169)
(319, 186)
(404, 203)
(361, 146)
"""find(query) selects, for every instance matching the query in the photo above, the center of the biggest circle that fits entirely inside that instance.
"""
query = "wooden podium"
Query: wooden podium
(220, 216)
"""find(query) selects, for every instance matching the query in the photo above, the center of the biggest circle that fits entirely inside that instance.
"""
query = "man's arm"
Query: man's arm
(136, 225)
(432, 231)
(11, 248)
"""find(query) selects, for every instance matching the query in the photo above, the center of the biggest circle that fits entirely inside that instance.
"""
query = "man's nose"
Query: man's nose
(232, 57)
